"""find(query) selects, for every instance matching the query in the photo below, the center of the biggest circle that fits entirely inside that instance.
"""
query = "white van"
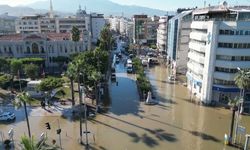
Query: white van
(32, 89)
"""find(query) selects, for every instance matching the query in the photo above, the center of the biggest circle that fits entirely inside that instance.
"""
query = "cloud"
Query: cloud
(17, 2)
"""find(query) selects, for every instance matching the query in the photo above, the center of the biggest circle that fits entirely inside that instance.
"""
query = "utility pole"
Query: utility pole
(86, 119)
(80, 99)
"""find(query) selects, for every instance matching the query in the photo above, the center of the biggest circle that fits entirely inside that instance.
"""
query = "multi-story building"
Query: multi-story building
(114, 23)
(219, 44)
(97, 22)
(152, 26)
(177, 41)
(140, 29)
(43, 24)
(47, 46)
(145, 29)
(162, 33)
(7, 24)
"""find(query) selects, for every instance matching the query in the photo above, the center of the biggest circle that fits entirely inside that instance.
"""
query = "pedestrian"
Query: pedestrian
(116, 83)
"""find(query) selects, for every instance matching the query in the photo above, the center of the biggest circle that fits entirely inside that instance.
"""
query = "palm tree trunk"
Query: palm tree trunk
(232, 125)
(72, 91)
(27, 118)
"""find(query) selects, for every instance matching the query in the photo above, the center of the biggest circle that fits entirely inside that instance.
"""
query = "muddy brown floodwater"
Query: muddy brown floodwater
(174, 124)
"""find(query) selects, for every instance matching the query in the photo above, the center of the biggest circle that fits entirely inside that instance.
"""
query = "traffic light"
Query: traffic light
(47, 126)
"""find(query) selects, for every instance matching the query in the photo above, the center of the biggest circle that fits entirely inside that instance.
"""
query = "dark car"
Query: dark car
(113, 77)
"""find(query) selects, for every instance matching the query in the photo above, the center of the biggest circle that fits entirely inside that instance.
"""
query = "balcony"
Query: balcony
(200, 36)
(224, 76)
(195, 68)
(198, 47)
(196, 57)
(199, 25)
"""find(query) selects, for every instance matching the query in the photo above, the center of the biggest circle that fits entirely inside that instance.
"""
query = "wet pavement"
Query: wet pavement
(174, 123)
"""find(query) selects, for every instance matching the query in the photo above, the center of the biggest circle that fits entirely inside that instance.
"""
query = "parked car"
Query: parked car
(113, 77)
(7, 116)
(129, 68)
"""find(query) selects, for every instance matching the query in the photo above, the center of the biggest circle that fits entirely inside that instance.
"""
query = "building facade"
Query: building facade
(97, 22)
(178, 40)
(7, 24)
(219, 44)
(47, 46)
(140, 29)
(162, 33)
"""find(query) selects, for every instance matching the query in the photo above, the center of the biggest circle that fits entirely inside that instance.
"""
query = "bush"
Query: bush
(5, 81)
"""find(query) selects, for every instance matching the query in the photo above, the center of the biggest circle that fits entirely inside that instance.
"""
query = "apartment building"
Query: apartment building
(97, 22)
(7, 24)
(162, 33)
(145, 29)
(177, 41)
(219, 44)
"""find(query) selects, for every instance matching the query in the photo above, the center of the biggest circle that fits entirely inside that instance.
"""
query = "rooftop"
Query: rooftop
(34, 36)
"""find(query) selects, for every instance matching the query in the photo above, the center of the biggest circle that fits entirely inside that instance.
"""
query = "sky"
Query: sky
(158, 4)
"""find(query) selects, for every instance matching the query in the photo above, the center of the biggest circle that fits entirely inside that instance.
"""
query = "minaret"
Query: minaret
(51, 14)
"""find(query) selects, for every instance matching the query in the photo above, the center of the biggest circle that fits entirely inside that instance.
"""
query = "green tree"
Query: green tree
(49, 84)
(106, 38)
(75, 34)
(22, 100)
(32, 71)
(4, 65)
(16, 65)
(242, 80)
(71, 73)
(4, 81)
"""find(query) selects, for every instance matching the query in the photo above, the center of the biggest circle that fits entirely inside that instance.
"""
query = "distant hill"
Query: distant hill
(19, 11)
(101, 6)
(23, 10)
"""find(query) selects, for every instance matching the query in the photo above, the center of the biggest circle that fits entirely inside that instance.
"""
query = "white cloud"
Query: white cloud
(17, 2)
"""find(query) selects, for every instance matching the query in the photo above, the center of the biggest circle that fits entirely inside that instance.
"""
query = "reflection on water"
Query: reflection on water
(173, 124)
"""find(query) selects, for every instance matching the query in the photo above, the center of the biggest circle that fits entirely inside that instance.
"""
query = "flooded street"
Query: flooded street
(131, 125)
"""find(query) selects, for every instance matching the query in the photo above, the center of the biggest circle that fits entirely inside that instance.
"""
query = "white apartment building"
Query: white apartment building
(162, 33)
(47, 46)
(114, 23)
(7, 24)
(219, 43)
(97, 24)
(43, 24)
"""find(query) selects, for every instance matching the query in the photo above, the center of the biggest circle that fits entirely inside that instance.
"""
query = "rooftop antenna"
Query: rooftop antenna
(204, 4)
(85, 8)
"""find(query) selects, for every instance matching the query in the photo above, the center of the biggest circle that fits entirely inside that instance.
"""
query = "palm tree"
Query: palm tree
(22, 99)
(71, 74)
(242, 80)
(31, 144)
(233, 103)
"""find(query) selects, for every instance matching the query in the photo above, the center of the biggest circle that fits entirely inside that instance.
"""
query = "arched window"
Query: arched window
(35, 49)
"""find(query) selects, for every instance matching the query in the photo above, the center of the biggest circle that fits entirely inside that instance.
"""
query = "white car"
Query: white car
(7, 116)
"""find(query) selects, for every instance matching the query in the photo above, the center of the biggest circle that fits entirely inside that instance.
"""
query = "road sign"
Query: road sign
(241, 130)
